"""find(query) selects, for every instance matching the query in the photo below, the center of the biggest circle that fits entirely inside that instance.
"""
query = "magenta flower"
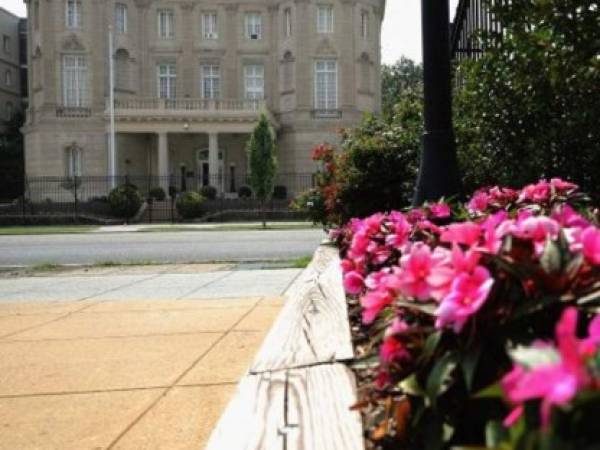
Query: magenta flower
(554, 383)
(393, 350)
(466, 233)
(416, 267)
(439, 210)
(479, 202)
(562, 185)
(467, 295)
(537, 229)
(590, 242)
(354, 283)
(537, 193)
(372, 303)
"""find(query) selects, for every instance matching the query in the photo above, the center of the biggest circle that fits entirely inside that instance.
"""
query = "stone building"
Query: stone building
(191, 80)
(10, 67)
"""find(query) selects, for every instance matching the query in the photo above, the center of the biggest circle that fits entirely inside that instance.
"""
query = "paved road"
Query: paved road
(194, 246)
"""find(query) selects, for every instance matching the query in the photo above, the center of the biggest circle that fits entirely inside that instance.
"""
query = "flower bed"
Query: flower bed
(476, 323)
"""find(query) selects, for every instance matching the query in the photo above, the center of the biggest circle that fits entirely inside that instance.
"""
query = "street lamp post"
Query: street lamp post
(438, 173)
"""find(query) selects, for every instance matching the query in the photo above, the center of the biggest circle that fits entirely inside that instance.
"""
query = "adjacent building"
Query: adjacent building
(191, 79)
(12, 67)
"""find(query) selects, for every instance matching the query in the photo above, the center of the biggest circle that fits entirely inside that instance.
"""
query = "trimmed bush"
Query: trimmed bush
(209, 192)
(279, 192)
(244, 192)
(189, 205)
(125, 201)
(157, 193)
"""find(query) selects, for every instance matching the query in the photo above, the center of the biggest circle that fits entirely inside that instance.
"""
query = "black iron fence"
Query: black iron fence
(228, 197)
(473, 19)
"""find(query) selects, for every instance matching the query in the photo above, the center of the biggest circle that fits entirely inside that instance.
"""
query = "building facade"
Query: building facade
(191, 79)
(11, 94)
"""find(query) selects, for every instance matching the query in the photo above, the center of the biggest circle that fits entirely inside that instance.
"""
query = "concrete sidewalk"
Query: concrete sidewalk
(130, 360)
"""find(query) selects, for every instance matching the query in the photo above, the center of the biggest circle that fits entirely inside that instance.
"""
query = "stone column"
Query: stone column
(213, 161)
(163, 161)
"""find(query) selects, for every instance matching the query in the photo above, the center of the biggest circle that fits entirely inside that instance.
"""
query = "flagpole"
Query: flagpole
(112, 145)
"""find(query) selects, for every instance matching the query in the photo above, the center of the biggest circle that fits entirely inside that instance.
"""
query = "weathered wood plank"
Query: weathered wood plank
(298, 409)
(313, 325)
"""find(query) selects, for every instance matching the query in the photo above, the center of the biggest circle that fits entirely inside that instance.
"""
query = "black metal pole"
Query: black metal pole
(438, 174)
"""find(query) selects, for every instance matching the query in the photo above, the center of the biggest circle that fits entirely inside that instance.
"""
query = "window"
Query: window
(254, 82)
(167, 79)
(211, 81)
(121, 18)
(10, 111)
(326, 85)
(254, 26)
(364, 24)
(287, 22)
(122, 70)
(325, 19)
(209, 26)
(8, 78)
(6, 43)
(73, 161)
(75, 73)
(166, 24)
(73, 14)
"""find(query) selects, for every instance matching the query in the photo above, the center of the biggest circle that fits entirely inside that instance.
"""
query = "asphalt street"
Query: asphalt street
(165, 247)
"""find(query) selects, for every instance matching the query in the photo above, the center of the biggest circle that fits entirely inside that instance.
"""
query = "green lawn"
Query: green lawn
(49, 229)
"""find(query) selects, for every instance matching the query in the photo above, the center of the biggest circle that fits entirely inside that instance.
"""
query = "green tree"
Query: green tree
(261, 151)
(398, 79)
(529, 107)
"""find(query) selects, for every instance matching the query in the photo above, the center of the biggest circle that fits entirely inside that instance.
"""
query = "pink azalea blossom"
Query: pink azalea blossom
(590, 241)
(372, 303)
(393, 350)
(354, 282)
(467, 295)
(466, 233)
(375, 280)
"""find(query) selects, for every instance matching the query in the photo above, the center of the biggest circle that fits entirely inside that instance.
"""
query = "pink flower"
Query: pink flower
(393, 350)
(354, 282)
(554, 383)
(466, 233)
(537, 229)
(372, 303)
(590, 241)
(375, 280)
(479, 202)
(416, 267)
(561, 185)
(537, 193)
(467, 295)
(439, 210)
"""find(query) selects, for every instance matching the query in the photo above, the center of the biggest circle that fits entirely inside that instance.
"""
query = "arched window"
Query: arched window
(73, 160)
(122, 70)
(8, 81)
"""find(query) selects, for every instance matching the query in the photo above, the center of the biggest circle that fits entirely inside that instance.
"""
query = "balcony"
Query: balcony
(188, 110)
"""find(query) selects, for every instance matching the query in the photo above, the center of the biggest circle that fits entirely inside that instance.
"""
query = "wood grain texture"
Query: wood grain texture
(313, 325)
(297, 409)
(297, 396)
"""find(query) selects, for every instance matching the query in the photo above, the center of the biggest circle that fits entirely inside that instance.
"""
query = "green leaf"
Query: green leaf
(469, 363)
(492, 391)
(495, 434)
(431, 345)
(367, 362)
(411, 386)
(440, 376)
(530, 357)
(551, 259)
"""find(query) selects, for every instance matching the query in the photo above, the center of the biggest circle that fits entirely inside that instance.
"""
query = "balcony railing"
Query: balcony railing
(187, 104)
